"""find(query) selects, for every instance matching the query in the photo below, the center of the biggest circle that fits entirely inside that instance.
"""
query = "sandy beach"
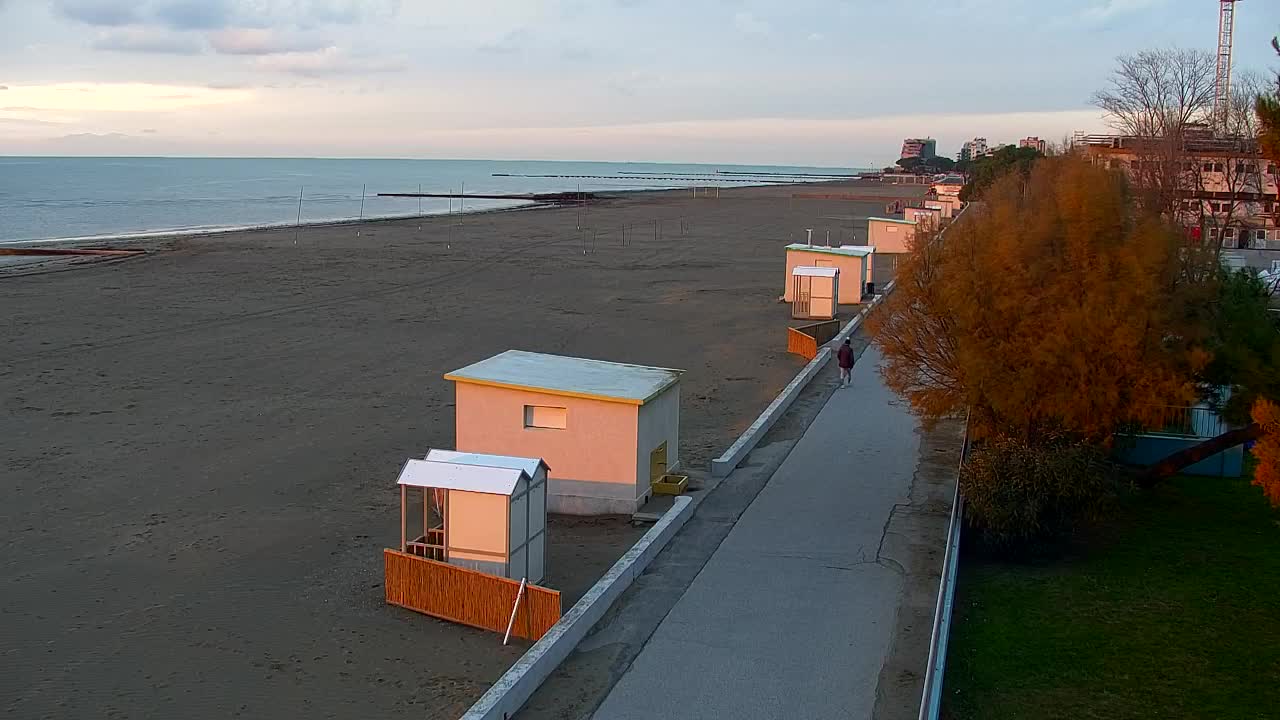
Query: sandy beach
(200, 444)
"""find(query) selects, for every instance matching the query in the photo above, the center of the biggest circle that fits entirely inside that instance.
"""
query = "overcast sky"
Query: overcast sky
(810, 82)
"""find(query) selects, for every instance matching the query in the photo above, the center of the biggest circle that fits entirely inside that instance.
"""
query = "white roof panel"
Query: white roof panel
(814, 271)
(528, 465)
(574, 377)
(457, 476)
(847, 250)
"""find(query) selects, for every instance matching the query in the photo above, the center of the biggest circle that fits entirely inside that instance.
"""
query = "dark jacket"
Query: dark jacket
(845, 356)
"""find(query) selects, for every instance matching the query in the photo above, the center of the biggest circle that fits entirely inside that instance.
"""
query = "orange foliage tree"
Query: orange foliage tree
(1056, 306)
(1267, 450)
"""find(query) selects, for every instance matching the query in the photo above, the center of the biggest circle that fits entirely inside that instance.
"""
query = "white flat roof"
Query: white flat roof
(569, 376)
(814, 271)
(528, 465)
(846, 250)
(893, 220)
(457, 476)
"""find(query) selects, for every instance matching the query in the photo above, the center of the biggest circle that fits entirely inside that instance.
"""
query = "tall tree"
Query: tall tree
(1247, 349)
(1268, 110)
(989, 168)
(1154, 98)
(1052, 306)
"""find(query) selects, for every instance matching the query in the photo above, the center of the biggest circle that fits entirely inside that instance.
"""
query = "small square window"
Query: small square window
(545, 416)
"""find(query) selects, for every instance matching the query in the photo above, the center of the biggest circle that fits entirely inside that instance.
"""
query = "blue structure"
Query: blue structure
(1186, 427)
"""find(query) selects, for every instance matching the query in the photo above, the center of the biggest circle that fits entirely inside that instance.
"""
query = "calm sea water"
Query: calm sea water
(49, 198)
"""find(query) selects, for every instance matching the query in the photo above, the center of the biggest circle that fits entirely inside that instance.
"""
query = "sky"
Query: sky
(801, 82)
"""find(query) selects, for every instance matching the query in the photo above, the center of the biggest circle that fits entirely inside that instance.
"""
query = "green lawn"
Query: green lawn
(1172, 610)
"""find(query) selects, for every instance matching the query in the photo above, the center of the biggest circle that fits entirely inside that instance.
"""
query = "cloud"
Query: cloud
(149, 131)
(195, 14)
(27, 121)
(257, 41)
(74, 137)
(121, 97)
(509, 44)
(748, 24)
(98, 12)
(148, 40)
(1110, 9)
(327, 61)
(222, 14)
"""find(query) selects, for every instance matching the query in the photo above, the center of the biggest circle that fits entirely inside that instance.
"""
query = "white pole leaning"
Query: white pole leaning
(511, 623)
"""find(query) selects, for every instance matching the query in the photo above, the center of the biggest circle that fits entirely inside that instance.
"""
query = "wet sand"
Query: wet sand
(200, 445)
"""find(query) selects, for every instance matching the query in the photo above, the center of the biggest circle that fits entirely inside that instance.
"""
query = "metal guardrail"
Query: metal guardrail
(931, 698)
(1192, 422)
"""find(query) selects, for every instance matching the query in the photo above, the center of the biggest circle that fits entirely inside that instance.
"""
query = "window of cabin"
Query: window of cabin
(546, 417)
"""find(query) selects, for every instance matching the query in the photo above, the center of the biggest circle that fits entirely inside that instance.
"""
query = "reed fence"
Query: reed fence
(806, 339)
(468, 597)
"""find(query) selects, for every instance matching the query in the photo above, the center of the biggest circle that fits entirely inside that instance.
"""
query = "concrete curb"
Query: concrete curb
(725, 464)
(519, 682)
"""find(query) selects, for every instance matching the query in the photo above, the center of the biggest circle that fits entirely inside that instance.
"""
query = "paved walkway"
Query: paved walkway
(794, 614)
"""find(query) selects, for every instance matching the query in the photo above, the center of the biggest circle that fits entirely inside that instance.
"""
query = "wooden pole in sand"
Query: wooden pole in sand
(419, 198)
(298, 222)
(363, 188)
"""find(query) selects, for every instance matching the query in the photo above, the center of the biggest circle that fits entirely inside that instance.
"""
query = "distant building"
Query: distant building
(949, 185)
(1032, 142)
(973, 149)
(1228, 192)
(923, 148)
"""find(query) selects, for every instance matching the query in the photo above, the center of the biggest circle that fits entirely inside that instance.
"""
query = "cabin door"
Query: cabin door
(801, 291)
(658, 462)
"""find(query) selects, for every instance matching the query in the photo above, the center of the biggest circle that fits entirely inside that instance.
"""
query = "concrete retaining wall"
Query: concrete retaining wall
(519, 682)
(723, 465)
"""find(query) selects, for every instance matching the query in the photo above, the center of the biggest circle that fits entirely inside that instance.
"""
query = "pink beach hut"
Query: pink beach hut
(853, 262)
(482, 512)
(607, 429)
(925, 217)
(891, 236)
(814, 292)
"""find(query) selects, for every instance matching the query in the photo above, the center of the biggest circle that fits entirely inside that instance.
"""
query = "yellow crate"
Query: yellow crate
(670, 485)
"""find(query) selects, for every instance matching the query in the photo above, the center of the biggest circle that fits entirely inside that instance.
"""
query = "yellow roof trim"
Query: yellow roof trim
(561, 393)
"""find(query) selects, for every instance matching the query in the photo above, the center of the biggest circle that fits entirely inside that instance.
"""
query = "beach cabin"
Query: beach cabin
(924, 217)
(947, 207)
(948, 185)
(890, 236)
(606, 429)
(853, 261)
(482, 512)
(815, 290)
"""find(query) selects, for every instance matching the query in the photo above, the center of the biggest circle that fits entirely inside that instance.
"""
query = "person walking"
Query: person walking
(844, 356)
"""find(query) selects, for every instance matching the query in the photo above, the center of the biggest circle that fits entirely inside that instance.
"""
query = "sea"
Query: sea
(49, 199)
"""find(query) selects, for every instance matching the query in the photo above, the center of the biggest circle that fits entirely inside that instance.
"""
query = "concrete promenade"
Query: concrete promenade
(794, 614)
